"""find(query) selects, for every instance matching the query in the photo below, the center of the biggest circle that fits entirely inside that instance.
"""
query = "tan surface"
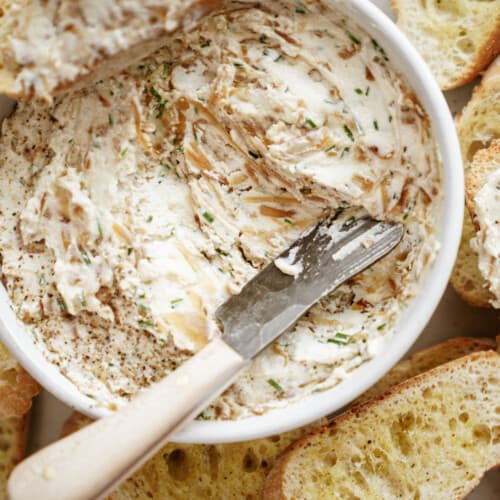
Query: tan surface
(433, 436)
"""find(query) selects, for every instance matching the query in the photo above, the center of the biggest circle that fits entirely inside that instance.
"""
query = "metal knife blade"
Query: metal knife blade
(332, 252)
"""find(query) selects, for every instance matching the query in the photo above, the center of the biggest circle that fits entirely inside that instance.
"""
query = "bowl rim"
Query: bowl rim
(408, 328)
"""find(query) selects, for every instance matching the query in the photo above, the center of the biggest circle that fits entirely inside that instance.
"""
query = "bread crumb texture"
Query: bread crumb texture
(457, 38)
(433, 437)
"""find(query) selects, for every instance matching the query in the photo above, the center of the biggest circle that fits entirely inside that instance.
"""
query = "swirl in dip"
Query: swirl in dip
(131, 209)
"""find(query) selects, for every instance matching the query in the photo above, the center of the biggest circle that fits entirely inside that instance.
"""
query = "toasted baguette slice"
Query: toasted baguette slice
(13, 441)
(433, 436)
(17, 388)
(239, 470)
(47, 46)
(482, 198)
(477, 126)
(479, 122)
(199, 472)
(466, 278)
(425, 360)
(486, 161)
(457, 38)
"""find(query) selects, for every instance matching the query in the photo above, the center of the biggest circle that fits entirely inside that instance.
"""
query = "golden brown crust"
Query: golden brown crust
(275, 482)
(486, 54)
(477, 173)
(425, 360)
(17, 388)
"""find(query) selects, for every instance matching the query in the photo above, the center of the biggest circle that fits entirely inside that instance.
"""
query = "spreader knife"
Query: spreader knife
(95, 460)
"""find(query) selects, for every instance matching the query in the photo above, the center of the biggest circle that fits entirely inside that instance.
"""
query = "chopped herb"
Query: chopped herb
(288, 221)
(164, 164)
(375, 124)
(328, 149)
(353, 38)
(348, 131)
(379, 49)
(390, 118)
(111, 121)
(166, 69)
(329, 101)
(99, 228)
(344, 151)
(146, 325)
(381, 327)
(279, 58)
(367, 91)
(208, 217)
(149, 219)
(142, 295)
(300, 9)
(142, 308)
(221, 252)
(275, 385)
(205, 44)
(129, 250)
(350, 221)
(339, 339)
(237, 64)
(61, 304)
(41, 279)
(156, 94)
(339, 211)
(161, 109)
(263, 38)
(85, 258)
(358, 91)
(173, 302)
(83, 302)
(305, 190)
(311, 123)
(254, 155)
(172, 232)
(123, 152)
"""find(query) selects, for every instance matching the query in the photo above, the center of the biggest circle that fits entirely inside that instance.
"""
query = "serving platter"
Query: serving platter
(453, 318)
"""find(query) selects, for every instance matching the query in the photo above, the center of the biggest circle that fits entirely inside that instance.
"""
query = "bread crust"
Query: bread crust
(275, 483)
(486, 53)
(477, 173)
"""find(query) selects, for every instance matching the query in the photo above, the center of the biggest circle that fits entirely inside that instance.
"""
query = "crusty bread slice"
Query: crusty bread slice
(12, 445)
(433, 436)
(47, 46)
(199, 472)
(457, 38)
(466, 278)
(477, 126)
(17, 388)
(425, 360)
(479, 122)
(239, 470)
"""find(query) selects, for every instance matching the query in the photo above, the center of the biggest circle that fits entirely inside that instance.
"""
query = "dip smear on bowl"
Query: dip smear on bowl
(131, 209)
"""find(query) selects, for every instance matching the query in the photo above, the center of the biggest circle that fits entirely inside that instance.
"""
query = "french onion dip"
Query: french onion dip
(131, 209)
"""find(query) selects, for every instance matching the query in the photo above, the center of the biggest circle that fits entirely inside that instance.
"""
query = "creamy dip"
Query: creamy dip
(132, 209)
(487, 240)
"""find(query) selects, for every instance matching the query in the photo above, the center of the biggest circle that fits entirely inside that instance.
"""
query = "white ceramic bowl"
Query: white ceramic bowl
(409, 62)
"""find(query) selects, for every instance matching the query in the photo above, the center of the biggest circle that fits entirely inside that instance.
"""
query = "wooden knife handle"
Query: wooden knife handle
(93, 461)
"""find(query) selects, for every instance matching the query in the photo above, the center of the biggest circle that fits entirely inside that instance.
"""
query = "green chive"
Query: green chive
(358, 91)
(146, 325)
(254, 155)
(237, 64)
(288, 221)
(300, 9)
(156, 94)
(275, 385)
(123, 152)
(110, 119)
(129, 250)
(375, 124)
(311, 123)
(348, 131)
(279, 58)
(338, 211)
(86, 258)
(353, 39)
(327, 150)
(173, 302)
(208, 217)
(99, 228)
(149, 219)
(61, 304)
(381, 327)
